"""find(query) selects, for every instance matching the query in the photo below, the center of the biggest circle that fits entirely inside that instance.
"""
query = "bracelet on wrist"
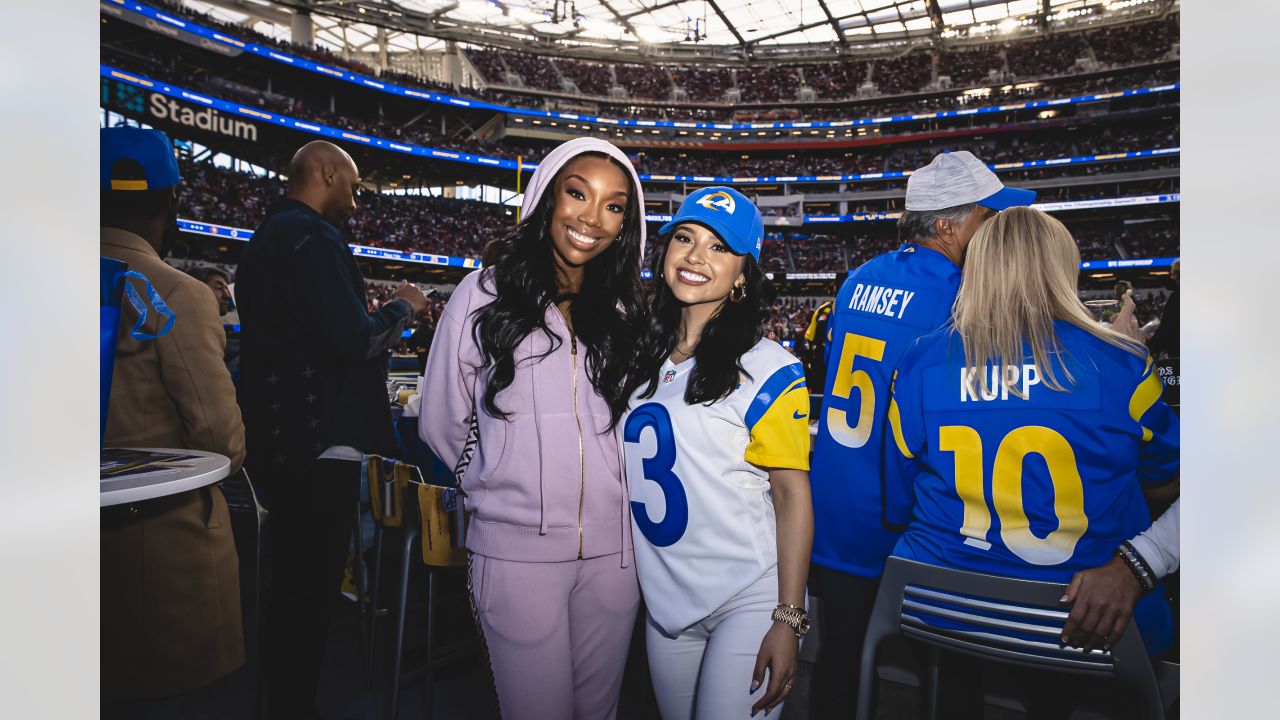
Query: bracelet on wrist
(794, 617)
(1137, 565)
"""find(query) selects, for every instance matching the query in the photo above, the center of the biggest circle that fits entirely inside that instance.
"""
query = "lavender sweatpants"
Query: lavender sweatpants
(557, 633)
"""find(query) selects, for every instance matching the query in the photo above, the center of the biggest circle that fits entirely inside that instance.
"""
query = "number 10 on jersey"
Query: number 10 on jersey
(853, 346)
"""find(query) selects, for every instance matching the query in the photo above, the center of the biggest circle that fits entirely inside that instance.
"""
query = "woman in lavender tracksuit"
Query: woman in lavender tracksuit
(538, 345)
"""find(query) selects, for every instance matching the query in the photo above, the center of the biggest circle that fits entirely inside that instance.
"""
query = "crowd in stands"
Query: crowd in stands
(703, 83)
(833, 80)
(354, 117)
(1160, 162)
(1038, 56)
(460, 228)
(773, 254)
(790, 316)
(1149, 305)
(1114, 46)
(651, 82)
(436, 225)
(1001, 148)
(882, 158)
(1095, 192)
(875, 107)
(909, 73)
(591, 78)
(1096, 240)
(971, 67)
(1131, 44)
(1052, 54)
(489, 63)
(597, 76)
(537, 71)
(822, 253)
(1148, 237)
(768, 83)
(1035, 57)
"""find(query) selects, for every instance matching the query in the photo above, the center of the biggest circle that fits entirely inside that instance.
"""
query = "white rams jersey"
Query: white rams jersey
(702, 514)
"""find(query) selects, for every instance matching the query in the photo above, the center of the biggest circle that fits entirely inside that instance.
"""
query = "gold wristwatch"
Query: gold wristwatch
(795, 617)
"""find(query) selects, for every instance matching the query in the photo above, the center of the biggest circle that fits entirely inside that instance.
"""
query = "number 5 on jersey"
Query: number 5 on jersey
(659, 470)
(847, 380)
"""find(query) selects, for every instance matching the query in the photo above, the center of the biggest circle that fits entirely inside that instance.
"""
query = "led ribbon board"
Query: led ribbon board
(156, 87)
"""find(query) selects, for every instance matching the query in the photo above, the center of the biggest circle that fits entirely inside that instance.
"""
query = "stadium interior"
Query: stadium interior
(818, 110)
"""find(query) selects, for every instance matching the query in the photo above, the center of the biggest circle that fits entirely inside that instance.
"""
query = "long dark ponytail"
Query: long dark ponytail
(731, 332)
(521, 273)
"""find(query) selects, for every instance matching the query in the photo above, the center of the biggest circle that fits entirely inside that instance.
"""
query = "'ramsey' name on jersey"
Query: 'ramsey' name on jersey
(890, 302)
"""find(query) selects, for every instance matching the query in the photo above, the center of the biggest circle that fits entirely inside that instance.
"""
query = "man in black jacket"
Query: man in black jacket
(313, 394)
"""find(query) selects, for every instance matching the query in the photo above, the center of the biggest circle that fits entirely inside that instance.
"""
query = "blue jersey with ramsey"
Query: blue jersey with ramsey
(1036, 488)
(882, 308)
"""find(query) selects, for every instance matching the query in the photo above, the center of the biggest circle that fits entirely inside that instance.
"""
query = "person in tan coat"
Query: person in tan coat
(170, 604)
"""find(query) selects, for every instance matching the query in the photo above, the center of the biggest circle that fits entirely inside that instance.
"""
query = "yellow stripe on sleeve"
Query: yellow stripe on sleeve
(895, 422)
(1144, 396)
(780, 437)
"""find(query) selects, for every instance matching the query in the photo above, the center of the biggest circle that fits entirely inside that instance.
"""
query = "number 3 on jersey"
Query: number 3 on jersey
(847, 379)
(659, 470)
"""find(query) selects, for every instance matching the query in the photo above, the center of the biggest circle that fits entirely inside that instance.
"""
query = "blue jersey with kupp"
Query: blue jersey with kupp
(1037, 487)
(882, 308)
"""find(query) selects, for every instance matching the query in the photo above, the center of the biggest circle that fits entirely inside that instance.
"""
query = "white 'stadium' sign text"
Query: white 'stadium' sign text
(165, 108)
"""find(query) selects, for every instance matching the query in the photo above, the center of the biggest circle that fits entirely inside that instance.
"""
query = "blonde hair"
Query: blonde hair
(1020, 275)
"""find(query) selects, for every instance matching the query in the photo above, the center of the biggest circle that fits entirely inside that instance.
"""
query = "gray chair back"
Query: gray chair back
(997, 618)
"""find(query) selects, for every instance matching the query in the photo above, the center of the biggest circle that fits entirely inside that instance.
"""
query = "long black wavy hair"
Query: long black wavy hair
(605, 311)
(731, 332)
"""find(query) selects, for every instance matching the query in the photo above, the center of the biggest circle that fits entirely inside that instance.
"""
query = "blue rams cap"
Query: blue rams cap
(150, 149)
(728, 213)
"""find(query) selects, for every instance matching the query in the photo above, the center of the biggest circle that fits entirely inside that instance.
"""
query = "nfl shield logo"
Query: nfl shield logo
(671, 375)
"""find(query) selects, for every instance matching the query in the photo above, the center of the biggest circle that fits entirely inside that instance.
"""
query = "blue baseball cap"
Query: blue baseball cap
(728, 213)
(150, 149)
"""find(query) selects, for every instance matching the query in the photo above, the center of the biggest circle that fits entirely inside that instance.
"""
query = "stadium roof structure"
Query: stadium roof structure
(726, 30)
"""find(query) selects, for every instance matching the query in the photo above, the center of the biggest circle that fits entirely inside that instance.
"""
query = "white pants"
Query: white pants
(705, 672)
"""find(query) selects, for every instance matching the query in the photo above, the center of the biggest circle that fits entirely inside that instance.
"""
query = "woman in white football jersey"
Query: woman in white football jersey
(717, 455)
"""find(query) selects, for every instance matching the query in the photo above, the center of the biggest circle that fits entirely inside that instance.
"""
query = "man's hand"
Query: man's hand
(412, 295)
(1102, 601)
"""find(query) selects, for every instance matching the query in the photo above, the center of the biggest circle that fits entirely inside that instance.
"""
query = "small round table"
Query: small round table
(204, 468)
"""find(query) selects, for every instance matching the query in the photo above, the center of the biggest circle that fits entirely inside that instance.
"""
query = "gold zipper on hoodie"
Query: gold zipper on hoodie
(582, 459)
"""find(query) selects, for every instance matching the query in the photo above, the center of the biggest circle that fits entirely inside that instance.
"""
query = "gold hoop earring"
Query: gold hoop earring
(738, 293)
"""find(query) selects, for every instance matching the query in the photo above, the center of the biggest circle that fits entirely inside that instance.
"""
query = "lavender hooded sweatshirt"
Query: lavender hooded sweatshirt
(529, 497)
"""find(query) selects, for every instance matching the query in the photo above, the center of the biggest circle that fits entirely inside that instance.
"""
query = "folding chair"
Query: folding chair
(400, 499)
(1002, 619)
(243, 500)
(388, 482)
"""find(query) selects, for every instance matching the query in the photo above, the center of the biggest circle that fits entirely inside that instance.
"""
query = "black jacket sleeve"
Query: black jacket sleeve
(333, 312)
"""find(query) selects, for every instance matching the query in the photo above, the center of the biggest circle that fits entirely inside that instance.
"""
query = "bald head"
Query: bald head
(325, 177)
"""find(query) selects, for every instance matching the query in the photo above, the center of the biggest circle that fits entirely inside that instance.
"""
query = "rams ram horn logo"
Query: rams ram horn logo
(718, 201)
